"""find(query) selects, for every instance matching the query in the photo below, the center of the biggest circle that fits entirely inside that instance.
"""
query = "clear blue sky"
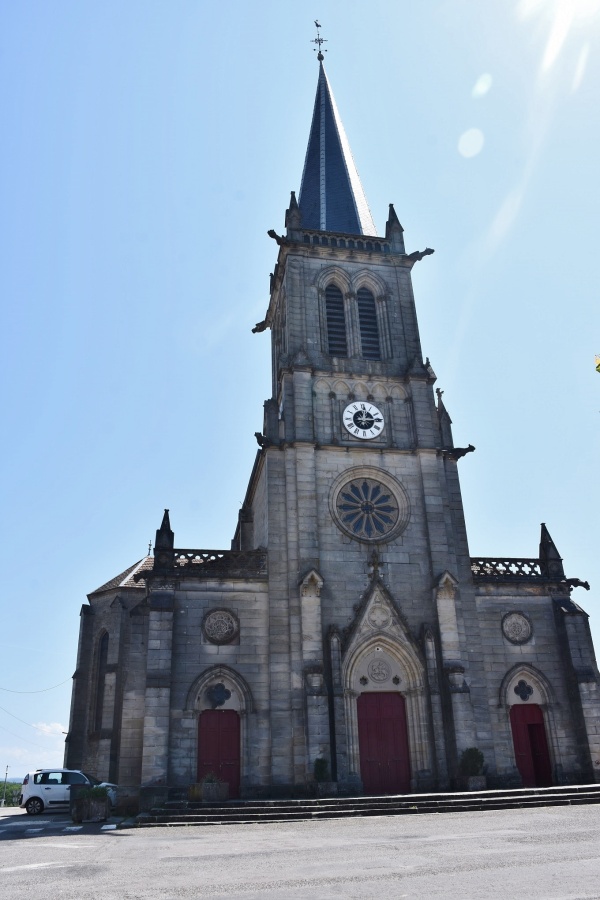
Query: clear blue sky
(146, 149)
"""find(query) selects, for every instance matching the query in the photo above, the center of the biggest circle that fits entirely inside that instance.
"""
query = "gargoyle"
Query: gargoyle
(458, 452)
(260, 326)
(279, 238)
(576, 582)
(261, 440)
(419, 254)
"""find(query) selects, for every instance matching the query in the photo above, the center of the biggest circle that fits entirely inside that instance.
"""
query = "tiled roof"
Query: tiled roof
(125, 579)
(331, 195)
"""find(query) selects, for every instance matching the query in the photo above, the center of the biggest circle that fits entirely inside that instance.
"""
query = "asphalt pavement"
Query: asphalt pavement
(15, 823)
(550, 853)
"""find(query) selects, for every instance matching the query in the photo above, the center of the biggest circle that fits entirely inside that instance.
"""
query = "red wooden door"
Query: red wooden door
(531, 746)
(383, 743)
(219, 746)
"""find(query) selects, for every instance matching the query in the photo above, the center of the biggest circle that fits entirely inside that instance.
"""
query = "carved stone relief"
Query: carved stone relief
(378, 671)
(378, 616)
(220, 626)
(516, 628)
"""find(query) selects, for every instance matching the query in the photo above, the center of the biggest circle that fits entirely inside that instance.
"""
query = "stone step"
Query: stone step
(330, 814)
(240, 812)
(358, 813)
(562, 790)
(322, 808)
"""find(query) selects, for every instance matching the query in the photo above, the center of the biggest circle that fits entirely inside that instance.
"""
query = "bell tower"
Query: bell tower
(356, 457)
(342, 304)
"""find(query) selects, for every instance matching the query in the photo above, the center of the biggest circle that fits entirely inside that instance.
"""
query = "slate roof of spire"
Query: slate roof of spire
(331, 195)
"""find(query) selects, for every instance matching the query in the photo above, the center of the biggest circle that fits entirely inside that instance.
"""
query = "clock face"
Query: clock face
(363, 420)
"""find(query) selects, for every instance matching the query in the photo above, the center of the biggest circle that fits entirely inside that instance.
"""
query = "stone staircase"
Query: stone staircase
(236, 812)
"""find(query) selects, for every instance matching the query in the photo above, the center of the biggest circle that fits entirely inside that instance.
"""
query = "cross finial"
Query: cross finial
(149, 547)
(319, 41)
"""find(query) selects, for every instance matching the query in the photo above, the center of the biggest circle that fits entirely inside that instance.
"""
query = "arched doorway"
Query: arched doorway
(387, 737)
(383, 743)
(529, 696)
(531, 745)
(221, 701)
(219, 747)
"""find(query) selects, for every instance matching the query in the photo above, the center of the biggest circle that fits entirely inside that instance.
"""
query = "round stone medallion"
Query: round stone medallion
(220, 626)
(378, 617)
(516, 628)
(369, 505)
(379, 671)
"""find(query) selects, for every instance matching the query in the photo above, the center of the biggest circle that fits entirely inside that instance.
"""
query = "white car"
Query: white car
(47, 789)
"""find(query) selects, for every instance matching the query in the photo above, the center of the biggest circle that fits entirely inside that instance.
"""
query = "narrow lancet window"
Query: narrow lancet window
(102, 663)
(367, 319)
(336, 321)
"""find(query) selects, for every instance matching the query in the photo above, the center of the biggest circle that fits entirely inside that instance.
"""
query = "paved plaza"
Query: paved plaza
(547, 853)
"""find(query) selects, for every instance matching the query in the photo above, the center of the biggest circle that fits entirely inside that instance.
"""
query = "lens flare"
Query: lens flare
(471, 142)
(482, 85)
(560, 17)
(581, 64)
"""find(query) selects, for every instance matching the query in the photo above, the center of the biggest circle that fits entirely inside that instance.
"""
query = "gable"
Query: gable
(378, 616)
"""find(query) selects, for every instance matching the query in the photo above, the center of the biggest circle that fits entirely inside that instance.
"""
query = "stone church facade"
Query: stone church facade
(348, 626)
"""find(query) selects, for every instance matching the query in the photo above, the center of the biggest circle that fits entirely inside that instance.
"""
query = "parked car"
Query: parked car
(47, 789)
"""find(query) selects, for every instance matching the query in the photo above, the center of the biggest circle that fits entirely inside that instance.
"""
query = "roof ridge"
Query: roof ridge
(122, 578)
(135, 569)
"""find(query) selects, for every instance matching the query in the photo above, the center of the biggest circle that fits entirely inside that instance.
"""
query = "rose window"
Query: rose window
(369, 504)
(367, 509)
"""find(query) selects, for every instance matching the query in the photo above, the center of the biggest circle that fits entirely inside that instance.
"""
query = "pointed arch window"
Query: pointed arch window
(367, 320)
(336, 321)
(101, 679)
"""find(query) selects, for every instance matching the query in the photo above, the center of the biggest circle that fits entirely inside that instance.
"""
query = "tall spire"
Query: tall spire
(331, 195)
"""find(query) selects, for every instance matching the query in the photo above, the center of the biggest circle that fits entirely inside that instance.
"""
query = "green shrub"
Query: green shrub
(13, 790)
(211, 778)
(93, 793)
(471, 762)
(321, 769)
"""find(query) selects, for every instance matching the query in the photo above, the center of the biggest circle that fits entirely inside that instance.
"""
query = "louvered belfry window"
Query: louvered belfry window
(336, 321)
(367, 320)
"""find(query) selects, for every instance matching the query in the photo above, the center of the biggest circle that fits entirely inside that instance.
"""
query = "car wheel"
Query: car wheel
(34, 806)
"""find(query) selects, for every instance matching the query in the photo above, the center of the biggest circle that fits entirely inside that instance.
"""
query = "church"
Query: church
(347, 635)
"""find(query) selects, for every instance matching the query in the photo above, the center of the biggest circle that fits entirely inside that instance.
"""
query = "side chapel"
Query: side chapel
(348, 622)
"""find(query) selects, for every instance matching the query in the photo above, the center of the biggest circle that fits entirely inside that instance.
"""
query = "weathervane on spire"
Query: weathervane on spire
(319, 41)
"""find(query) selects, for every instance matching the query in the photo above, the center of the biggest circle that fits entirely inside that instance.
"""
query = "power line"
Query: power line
(42, 691)
(23, 720)
(19, 738)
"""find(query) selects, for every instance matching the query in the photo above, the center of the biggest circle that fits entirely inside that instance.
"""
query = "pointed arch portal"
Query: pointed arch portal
(530, 700)
(387, 740)
(221, 699)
